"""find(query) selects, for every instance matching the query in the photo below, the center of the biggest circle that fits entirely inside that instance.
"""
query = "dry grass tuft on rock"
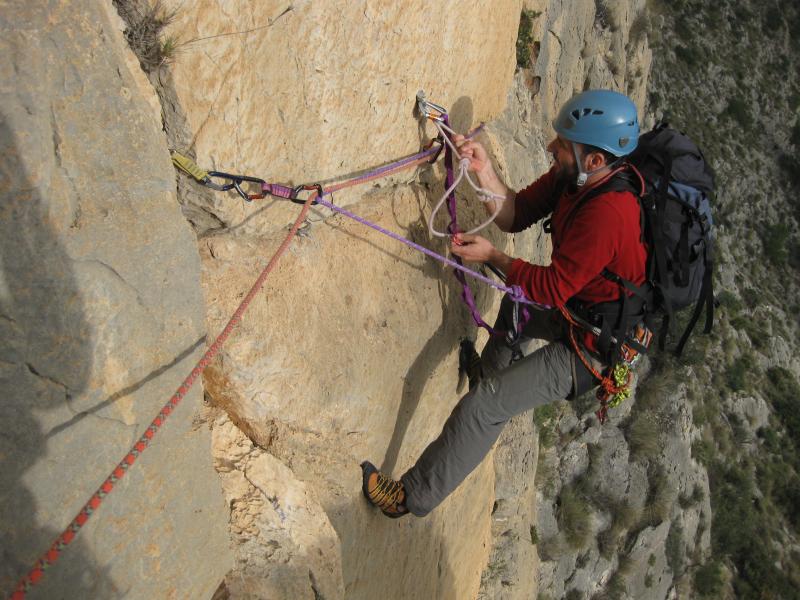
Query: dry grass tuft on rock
(145, 26)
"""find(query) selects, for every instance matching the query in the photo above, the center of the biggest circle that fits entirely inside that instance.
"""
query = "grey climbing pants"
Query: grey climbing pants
(475, 424)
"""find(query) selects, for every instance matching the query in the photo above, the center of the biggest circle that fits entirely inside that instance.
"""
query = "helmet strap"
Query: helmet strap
(583, 176)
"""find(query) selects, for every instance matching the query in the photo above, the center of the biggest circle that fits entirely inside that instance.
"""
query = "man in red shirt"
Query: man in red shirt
(594, 230)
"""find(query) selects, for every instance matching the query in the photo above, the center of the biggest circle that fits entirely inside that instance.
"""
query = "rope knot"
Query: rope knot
(517, 294)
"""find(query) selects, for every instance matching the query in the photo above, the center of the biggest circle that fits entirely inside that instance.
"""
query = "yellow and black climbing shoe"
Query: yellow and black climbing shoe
(383, 492)
(469, 362)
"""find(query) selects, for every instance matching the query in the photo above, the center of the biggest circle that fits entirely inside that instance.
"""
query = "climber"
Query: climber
(594, 231)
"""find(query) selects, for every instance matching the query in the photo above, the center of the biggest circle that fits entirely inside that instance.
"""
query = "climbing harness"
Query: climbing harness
(615, 381)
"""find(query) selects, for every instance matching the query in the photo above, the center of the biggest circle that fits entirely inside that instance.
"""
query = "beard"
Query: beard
(566, 175)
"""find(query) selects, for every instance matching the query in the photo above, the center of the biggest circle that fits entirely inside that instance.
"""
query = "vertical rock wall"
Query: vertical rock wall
(348, 354)
(101, 316)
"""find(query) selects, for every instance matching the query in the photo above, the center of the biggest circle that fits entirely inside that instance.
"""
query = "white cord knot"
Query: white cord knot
(484, 195)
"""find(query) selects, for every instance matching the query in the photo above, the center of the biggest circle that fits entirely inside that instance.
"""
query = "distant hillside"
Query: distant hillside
(726, 72)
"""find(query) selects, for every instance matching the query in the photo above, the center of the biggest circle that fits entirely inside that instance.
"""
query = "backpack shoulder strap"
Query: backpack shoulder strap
(624, 180)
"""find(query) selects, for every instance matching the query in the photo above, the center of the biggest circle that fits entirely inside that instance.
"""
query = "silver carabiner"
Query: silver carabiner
(427, 108)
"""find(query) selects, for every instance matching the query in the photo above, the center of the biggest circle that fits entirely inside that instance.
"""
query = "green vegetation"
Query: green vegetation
(545, 417)
(775, 239)
(660, 496)
(689, 55)
(602, 15)
(708, 579)
(574, 594)
(623, 517)
(783, 392)
(644, 437)
(639, 27)
(738, 110)
(755, 328)
(790, 166)
(744, 534)
(674, 549)
(495, 569)
(795, 139)
(574, 517)
(741, 372)
(525, 38)
(617, 587)
(730, 301)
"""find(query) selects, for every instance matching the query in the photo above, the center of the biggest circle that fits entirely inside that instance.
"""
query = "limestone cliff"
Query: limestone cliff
(348, 353)
(101, 315)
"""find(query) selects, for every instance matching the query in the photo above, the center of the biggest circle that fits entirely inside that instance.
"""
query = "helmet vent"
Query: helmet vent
(576, 114)
(597, 112)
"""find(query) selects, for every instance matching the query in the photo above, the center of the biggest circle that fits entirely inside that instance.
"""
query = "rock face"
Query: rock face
(348, 353)
(308, 91)
(101, 316)
(619, 505)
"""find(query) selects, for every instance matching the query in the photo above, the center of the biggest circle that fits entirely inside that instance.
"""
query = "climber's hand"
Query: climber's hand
(479, 161)
(476, 248)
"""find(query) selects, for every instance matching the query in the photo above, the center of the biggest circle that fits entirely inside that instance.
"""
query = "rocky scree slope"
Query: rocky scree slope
(724, 72)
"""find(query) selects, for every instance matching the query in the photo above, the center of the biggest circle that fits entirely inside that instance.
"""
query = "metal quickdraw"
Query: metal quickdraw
(235, 182)
(428, 109)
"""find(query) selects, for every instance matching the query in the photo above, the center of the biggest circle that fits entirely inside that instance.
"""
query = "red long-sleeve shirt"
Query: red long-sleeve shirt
(603, 233)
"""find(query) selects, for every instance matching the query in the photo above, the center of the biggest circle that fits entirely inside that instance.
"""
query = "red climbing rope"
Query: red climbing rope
(51, 556)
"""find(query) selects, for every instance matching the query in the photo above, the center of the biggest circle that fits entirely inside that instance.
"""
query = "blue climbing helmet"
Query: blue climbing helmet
(600, 118)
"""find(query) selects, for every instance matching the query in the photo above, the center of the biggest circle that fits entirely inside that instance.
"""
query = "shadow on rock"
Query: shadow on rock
(456, 320)
(45, 360)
